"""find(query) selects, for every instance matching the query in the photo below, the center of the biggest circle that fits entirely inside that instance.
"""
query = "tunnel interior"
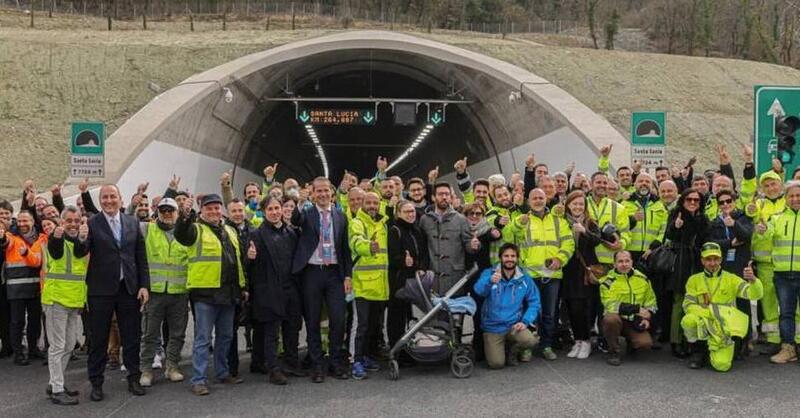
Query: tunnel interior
(365, 74)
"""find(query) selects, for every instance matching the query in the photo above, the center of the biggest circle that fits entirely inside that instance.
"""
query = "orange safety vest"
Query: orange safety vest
(21, 273)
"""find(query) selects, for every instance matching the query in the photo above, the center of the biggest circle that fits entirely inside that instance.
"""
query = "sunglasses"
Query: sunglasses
(166, 210)
(725, 201)
(475, 213)
(692, 199)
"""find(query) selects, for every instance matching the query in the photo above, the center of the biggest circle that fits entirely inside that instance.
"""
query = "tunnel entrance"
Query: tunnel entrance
(242, 115)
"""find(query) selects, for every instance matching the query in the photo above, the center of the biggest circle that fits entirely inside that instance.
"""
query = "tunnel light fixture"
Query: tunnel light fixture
(414, 145)
(322, 158)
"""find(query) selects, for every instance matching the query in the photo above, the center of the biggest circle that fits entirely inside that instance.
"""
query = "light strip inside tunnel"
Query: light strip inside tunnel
(416, 143)
(313, 135)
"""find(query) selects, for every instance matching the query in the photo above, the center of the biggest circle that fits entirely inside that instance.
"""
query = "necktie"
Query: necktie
(327, 243)
(115, 230)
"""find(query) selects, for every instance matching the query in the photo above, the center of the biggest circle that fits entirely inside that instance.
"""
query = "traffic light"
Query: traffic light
(785, 128)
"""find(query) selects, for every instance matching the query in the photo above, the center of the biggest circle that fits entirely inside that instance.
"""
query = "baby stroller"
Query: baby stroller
(436, 337)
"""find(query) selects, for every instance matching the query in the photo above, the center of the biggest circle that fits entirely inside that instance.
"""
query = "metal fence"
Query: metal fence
(258, 9)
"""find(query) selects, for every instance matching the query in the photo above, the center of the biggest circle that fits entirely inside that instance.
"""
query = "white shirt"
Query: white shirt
(315, 258)
(115, 231)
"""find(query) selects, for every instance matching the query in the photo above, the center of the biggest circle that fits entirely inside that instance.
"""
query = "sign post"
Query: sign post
(649, 139)
(770, 104)
(87, 149)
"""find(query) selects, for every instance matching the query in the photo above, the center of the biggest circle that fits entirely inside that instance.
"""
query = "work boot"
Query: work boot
(788, 353)
(512, 356)
(276, 377)
(62, 398)
(697, 359)
(526, 355)
(146, 379)
(769, 349)
(174, 374)
(200, 389)
(20, 359)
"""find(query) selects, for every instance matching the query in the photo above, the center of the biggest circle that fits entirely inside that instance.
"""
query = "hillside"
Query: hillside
(71, 68)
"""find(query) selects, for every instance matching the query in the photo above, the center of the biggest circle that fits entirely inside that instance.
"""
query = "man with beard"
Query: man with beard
(473, 192)
(417, 196)
(604, 211)
(648, 221)
(167, 261)
(368, 242)
(449, 239)
(23, 250)
(512, 303)
(500, 216)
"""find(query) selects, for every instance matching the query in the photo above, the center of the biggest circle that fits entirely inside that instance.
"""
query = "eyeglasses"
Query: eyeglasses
(692, 199)
(725, 201)
(475, 213)
(166, 210)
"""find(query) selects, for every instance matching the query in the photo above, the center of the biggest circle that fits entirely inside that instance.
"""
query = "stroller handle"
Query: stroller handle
(461, 282)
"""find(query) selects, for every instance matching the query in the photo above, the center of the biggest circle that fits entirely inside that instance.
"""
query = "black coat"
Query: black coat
(742, 230)
(573, 286)
(686, 242)
(108, 258)
(405, 237)
(273, 288)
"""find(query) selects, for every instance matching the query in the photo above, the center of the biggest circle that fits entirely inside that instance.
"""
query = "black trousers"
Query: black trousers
(18, 308)
(580, 317)
(129, 320)
(233, 353)
(324, 284)
(5, 320)
(368, 313)
(265, 342)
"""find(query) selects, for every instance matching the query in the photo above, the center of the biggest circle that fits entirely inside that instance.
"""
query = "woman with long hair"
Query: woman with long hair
(687, 228)
(578, 290)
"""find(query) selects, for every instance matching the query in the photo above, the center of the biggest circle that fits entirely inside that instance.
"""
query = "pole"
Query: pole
(191, 22)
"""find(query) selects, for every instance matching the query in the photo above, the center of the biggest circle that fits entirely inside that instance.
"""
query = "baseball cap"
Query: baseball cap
(168, 202)
(210, 198)
(770, 175)
(710, 249)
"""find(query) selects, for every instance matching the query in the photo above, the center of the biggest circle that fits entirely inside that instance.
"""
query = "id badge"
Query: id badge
(731, 255)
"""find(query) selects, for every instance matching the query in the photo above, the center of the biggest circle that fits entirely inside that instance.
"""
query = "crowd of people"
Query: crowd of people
(569, 262)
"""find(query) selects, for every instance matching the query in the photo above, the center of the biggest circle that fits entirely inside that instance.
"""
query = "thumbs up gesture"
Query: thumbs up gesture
(251, 251)
(461, 166)
(748, 273)
(475, 243)
(374, 247)
(58, 232)
(523, 219)
(409, 260)
(496, 276)
(83, 230)
(679, 221)
(728, 221)
(761, 227)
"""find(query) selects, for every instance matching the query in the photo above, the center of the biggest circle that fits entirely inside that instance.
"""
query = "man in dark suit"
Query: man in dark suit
(118, 281)
(323, 262)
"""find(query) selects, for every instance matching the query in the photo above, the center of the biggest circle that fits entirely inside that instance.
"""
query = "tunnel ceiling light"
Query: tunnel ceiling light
(415, 144)
(322, 158)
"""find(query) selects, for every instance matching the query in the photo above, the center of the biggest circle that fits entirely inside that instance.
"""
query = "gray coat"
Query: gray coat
(448, 242)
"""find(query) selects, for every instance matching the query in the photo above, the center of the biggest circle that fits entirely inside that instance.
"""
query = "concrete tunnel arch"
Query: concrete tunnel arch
(192, 131)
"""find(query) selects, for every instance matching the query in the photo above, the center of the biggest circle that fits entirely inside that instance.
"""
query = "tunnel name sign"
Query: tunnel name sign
(87, 149)
(337, 117)
(649, 139)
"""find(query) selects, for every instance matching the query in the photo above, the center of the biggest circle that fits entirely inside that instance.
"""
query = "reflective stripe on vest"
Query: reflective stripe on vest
(64, 282)
(205, 271)
(166, 262)
(24, 280)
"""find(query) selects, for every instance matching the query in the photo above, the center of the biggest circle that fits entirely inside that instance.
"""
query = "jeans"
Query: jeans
(787, 285)
(207, 318)
(548, 291)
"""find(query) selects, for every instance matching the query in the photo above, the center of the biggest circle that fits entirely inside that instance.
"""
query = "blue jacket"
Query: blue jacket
(507, 302)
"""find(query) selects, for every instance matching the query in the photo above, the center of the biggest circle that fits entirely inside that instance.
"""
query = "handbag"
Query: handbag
(591, 273)
(662, 260)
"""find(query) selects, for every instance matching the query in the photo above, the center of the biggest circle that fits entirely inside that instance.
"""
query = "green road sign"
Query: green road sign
(648, 128)
(771, 103)
(437, 117)
(88, 138)
(649, 139)
(87, 149)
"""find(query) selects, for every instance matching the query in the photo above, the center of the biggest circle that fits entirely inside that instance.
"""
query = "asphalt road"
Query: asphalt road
(648, 384)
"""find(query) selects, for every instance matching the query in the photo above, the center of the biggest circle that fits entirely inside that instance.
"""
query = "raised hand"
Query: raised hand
(58, 232)
(496, 276)
(83, 186)
(605, 150)
(382, 164)
(374, 247)
(409, 260)
(523, 219)
(679, 221)
(56, 189)
(639, 215)
(433, 175)
(475, 244)
(225, 178)
(728, 221)
(530, 161)
(174, 182)
(142, 188)
(83, 230)
(270, 170)
(748, 153)
(748, 273)
(251, 251)
(461, 166)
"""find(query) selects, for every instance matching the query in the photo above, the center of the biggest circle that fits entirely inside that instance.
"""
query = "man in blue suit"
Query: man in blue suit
(322, 260)
(118, 281)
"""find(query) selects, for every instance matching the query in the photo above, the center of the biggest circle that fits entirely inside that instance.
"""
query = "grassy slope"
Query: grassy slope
(70, 68)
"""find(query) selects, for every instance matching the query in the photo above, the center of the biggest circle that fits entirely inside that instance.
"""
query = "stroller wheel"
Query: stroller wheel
(465, 351)
(461, 366)
(394, 370)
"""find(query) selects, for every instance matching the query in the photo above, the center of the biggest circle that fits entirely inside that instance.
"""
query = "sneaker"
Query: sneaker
(549, 354)
(526, 355)
(157, 362)
(174, 374)
(788, 353)
(358, 371)
(62, 398)
(73, 393)
(123, 369)
(200, 389)
(371, 365)
(146, 379)
(584, 351)
(575, 349)
(614, 359)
